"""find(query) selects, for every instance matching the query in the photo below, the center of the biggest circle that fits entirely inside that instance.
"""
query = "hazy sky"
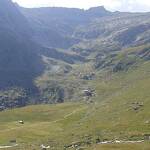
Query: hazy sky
(121, 5)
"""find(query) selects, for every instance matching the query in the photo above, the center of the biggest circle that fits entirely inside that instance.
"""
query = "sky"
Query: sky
(112, 5)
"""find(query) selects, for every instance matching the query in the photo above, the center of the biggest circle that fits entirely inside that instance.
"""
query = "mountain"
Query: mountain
(43, 50)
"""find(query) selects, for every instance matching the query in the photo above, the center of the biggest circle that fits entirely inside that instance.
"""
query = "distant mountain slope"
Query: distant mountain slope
(54, 26)
(116, 31)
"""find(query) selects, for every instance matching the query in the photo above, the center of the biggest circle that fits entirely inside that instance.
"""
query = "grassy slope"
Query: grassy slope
(120, 121)
(42, 124)
(110, 116)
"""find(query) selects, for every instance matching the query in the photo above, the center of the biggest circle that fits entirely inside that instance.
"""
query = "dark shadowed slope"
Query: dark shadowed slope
(19, 62)
(20, 56)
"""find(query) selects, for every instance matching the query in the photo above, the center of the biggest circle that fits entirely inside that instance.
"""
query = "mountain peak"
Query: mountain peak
(98, 8)
(97, 11)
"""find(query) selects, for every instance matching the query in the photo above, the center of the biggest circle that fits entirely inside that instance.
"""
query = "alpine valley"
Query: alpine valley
(74, 79)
